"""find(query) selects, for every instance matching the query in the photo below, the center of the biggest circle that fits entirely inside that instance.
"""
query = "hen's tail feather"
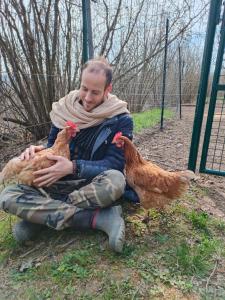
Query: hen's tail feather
(187, 175)
(180, 185)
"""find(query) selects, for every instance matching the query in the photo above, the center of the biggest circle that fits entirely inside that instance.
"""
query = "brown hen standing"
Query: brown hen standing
(155, 187)
(21, 171)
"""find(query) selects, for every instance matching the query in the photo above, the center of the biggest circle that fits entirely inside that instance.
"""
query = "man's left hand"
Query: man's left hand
(48, 176)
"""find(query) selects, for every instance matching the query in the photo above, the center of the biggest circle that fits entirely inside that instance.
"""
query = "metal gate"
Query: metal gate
(213, 151)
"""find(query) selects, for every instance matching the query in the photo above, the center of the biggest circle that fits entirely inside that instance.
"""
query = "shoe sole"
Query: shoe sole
(117, 242)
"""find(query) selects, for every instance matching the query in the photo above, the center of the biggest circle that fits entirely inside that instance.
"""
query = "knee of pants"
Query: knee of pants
(6, 196)
(117, 179)
(9, 195)
(116, 184)
(105, 189)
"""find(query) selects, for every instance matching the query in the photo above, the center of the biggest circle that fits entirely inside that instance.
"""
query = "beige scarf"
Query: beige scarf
(70, 108)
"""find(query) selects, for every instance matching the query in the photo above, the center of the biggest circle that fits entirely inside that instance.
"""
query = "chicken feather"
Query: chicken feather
(21, 171)
(154, 186)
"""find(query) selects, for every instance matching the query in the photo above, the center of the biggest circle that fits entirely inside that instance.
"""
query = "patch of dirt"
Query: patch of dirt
(172, 293)
(169, 148)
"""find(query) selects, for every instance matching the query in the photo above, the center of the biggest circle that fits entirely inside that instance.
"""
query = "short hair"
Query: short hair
(98, 65)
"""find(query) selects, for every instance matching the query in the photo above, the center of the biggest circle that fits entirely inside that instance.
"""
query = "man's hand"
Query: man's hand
(29, 152)
(48, 176)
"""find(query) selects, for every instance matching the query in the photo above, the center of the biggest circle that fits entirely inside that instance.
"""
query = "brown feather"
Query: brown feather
(21, 171)
(155, 187)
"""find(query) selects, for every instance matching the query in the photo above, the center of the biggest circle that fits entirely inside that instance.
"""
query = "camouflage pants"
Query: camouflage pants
(56, 205)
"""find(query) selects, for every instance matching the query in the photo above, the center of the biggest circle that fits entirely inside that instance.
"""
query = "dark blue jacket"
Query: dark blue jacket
(104, 155)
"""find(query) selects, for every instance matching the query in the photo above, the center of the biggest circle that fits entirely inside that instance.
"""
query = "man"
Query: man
(80, 192)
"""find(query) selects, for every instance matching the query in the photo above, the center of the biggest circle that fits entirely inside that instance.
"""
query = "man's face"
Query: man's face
(92, 89)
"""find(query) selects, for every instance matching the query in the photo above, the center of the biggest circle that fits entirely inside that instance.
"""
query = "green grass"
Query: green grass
(76, 264)
(199, 220)
(7, 242)
(149, 118)
(193, 259)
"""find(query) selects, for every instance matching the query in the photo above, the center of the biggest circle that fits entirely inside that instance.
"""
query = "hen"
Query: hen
(154, 186)
(21, 171)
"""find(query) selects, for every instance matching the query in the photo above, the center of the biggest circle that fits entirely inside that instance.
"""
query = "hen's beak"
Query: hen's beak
(73, 131)
(114, 141)
(119, 143)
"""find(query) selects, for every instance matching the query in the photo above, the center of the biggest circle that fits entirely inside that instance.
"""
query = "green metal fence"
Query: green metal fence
(213, 151)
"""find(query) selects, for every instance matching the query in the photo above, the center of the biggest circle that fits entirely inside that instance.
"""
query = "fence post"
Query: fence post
(89, 31)
(164, 73)
(88, 50)
(180, 97)
(213, 20)
(85, 37)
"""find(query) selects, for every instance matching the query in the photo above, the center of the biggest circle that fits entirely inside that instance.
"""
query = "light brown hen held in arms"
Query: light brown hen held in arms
(21, 171)
(155, 187)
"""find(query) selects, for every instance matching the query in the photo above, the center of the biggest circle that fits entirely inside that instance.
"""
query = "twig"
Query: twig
(43, 192)
(32, 250)
(67, 244)
(211, 275)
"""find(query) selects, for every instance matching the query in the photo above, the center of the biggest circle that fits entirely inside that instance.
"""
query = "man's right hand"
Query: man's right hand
(29, 152)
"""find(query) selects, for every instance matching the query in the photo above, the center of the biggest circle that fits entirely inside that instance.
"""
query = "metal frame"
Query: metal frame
(216, 87)
(213, 21)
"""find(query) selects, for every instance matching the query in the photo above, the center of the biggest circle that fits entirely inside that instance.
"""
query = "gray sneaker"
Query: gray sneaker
(25, 231)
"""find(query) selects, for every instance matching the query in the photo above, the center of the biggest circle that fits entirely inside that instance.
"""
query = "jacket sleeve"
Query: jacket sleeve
(113, 157)
(52, 136)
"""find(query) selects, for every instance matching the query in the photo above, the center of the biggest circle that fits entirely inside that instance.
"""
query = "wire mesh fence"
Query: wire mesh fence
(212, 156)
(216, 148)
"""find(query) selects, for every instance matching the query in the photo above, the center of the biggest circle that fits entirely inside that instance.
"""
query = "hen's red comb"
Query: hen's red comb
(71, 124)
(117, 136)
